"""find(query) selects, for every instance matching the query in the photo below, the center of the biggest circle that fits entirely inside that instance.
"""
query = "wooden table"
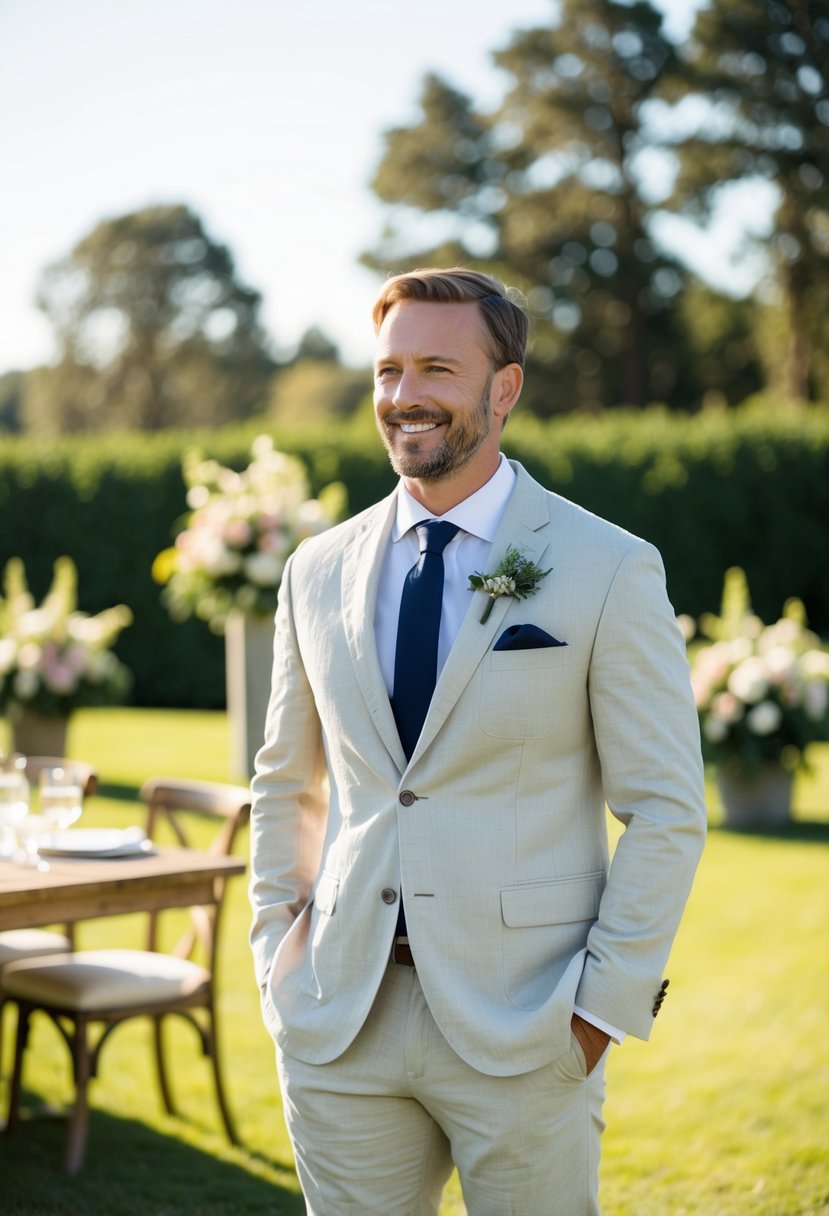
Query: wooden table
(74, 889)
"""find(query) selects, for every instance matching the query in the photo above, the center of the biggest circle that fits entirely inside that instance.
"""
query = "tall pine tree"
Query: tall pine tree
(552, 191)
(763, 68)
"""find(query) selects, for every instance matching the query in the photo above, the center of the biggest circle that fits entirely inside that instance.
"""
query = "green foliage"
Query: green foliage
(745, 488)
(154, 329)
(563, 189)
(551, 191)
(312, 390)
(731, 344)
(316, 345)
(11, 392)
(760, 66)
(514, 575)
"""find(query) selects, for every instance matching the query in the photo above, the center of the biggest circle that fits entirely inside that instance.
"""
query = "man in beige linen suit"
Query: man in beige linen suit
(443, 946)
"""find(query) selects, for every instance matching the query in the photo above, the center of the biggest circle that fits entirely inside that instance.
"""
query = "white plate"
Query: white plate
(96, 842)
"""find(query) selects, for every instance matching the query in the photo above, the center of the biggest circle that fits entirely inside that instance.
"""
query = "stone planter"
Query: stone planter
(248, 662)
(759, 801)
(35, 734)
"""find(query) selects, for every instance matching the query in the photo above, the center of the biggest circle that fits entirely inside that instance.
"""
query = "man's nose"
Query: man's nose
(406, 392)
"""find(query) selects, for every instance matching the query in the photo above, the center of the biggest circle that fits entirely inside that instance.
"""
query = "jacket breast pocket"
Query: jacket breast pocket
(521, 692)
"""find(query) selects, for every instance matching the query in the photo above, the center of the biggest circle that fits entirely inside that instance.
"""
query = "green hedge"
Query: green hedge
(746, 488)
(713, 490)
(112, 504)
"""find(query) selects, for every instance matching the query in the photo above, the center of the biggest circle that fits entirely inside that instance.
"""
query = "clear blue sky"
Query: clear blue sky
(265, 116)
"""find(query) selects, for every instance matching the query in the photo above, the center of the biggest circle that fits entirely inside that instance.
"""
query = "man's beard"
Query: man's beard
(461, 441)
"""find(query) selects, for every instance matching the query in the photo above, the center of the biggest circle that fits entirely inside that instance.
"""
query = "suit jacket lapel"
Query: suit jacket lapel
(362, 564)
(525, 526)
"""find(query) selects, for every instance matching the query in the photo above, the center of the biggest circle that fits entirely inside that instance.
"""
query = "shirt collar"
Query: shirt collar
(479, 514)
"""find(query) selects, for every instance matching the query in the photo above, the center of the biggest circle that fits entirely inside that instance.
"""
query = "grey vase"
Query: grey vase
(761, 800)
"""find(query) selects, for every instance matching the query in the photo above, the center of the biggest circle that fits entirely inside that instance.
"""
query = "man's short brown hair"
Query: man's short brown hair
(501, 308)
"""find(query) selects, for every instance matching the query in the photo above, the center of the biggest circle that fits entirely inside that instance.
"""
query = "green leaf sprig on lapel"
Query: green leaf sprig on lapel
(515, 575)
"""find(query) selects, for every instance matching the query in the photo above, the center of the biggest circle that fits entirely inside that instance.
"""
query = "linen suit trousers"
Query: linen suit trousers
(377, 1131)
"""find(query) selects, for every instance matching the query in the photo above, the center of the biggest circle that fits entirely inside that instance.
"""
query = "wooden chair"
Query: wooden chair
(17, 944)
(103, 988)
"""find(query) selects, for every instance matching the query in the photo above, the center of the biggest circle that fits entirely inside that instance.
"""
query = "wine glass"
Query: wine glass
(30, 831)
(61, 798)
(14, 800)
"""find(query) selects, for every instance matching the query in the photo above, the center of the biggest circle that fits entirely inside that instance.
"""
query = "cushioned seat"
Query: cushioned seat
(104, 979)
(16, 944)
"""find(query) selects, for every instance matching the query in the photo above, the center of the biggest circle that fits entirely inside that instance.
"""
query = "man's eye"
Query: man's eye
(436, 367)
(385, 371)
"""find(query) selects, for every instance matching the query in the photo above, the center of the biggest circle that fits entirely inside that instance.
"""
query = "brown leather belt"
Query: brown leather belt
(401, 952)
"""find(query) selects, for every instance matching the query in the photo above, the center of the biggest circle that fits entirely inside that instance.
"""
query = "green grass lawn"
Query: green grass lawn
(724, 1113)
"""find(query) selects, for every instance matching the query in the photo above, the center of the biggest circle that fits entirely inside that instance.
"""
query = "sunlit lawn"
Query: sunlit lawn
(724, 1113)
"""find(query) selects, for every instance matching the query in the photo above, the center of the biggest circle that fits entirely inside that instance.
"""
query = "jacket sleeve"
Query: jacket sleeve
(647, 736)
(289, 809)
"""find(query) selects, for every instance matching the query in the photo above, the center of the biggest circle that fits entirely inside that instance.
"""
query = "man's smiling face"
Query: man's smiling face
(435, 398)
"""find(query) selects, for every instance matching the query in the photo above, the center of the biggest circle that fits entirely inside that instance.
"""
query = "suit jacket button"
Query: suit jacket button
(388, 895)
(407, 798)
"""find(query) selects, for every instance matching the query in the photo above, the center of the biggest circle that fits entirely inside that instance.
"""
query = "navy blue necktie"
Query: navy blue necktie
(418, 627)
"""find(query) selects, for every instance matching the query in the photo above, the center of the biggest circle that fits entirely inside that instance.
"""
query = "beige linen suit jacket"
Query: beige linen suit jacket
(514, 911)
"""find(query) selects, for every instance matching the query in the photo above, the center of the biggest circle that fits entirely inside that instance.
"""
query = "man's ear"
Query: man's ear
(506, 389)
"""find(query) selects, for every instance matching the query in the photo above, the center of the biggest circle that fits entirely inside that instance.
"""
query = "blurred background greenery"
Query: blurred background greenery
(693, 415)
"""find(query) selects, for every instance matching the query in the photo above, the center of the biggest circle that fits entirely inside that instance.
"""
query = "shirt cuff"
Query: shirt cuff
(617, 1035)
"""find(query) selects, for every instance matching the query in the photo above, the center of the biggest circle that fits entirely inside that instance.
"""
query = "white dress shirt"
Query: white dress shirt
(467, 553)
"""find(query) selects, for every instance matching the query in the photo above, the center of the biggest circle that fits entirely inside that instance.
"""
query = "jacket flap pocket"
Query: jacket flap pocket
(325, 896)
(553, 903)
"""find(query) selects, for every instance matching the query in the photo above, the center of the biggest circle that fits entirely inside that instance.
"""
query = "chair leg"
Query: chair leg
(224, 1109)
(24, 1013)
(79, 1116)
(161, 1067)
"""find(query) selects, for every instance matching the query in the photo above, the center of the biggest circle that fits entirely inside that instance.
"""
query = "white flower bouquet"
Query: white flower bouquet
(241, 529)
(53, 658)
(762, 691)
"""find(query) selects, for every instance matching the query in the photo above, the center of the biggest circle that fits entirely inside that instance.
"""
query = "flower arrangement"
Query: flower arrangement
(762, 691)
(53, 658)
(241, 529)
(514, 575)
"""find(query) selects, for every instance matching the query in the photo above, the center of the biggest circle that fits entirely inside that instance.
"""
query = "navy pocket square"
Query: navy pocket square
(525, 637)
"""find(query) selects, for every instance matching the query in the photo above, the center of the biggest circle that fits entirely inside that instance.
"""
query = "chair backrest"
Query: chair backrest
(81, 773)
(171, 801)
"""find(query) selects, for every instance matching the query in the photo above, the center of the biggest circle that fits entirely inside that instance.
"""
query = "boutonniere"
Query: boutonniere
(515, 575)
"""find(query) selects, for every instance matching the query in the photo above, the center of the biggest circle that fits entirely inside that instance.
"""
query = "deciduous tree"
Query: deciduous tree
(154, 329)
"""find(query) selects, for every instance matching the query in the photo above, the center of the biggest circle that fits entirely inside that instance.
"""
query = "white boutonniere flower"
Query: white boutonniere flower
(516, 575)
